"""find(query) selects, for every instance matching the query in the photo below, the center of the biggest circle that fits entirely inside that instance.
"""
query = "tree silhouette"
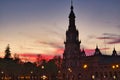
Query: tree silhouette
(58, 61)
(16, 58)
(7, 53)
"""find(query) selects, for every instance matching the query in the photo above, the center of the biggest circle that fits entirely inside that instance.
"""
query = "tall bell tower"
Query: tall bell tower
(72, 52)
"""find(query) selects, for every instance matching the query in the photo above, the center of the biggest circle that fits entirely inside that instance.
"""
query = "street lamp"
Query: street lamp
(2, 75)
(113, 66)
(117, 65)
(85, 66)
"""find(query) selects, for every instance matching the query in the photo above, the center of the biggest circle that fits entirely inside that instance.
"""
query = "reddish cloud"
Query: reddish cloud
(28, 57)
(104, 48)
(59, 51)
(33, 57)
(89, 52)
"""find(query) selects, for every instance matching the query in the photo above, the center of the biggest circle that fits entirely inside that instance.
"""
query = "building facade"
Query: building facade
(77, 66)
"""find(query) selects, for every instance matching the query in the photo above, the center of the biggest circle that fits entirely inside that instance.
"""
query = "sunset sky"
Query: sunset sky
(38, 26)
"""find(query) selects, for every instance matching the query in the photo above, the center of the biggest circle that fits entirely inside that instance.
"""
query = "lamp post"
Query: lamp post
(2, 76)
(43, 76)
(31, 75)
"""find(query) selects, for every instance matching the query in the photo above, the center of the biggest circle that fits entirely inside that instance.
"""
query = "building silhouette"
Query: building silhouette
(77, 66)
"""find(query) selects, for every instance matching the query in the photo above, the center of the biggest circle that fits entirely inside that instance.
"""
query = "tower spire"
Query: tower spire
(97, 51)
(71, 5)
(72, 52)
(71, 2)
(114, 52)
(72, 18)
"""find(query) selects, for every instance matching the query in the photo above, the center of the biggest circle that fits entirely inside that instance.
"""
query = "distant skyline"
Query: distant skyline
(38, 26)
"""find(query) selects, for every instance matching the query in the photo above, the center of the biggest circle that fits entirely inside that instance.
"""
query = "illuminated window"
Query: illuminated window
(69, 69)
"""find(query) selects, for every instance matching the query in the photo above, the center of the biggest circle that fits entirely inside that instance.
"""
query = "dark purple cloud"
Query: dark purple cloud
(105, 38)
(112, 38)
(115, 41)
(52, 44)
(111, 35)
